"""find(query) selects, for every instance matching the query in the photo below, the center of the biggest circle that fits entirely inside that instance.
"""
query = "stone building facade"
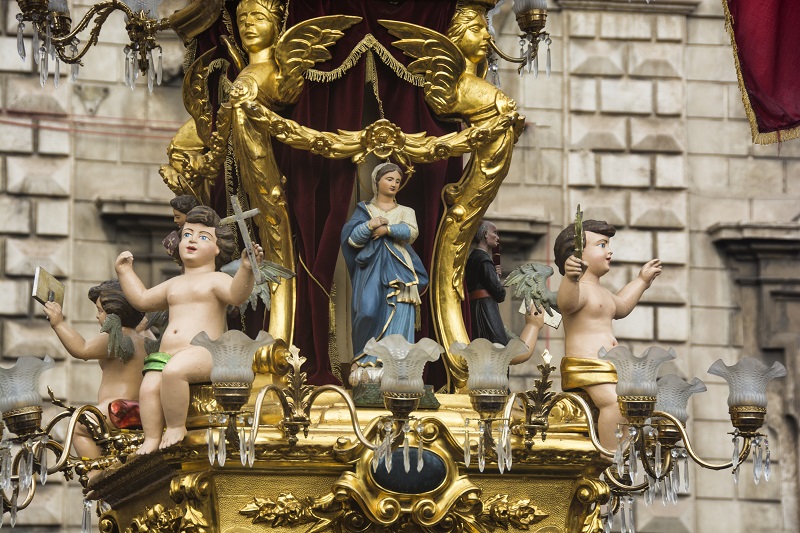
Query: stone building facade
(641, 122)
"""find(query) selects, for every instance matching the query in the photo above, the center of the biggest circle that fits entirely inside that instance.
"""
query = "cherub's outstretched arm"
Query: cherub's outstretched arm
(138, 295)
(239, 288)
(74, 343)
(627, 298)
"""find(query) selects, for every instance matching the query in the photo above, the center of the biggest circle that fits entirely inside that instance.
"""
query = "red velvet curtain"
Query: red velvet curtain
(320, 191)
(766, 34)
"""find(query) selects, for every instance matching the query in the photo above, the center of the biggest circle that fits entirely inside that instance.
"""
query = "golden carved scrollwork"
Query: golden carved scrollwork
(192, 514)
(590, 494)
(337, 512)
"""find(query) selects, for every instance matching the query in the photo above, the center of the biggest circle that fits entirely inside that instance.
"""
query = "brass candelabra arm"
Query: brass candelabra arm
(290, 423)
(650, 469)
(351, 407)
(506, 57)
(74, 420)
(587, 412)
(743, 454)
(617, 484)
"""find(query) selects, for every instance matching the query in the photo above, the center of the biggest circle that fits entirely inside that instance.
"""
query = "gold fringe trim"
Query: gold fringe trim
(759, 137)
(369, 42)
(333, 348)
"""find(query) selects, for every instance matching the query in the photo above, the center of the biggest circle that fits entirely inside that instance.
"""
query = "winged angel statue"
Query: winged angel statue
(271, 75)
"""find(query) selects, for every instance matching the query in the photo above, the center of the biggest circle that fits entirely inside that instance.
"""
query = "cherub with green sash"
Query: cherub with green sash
(197, 301)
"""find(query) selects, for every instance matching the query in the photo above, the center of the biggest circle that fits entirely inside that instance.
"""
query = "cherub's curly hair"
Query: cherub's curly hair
(565, 242)
(184, 203)
(113, 302)
(458, 26)
(226, 238)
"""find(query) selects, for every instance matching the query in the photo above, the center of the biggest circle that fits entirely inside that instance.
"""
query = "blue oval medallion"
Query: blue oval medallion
(398, 480)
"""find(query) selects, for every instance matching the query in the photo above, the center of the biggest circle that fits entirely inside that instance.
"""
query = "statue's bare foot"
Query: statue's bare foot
(149, 445)
(172, 436)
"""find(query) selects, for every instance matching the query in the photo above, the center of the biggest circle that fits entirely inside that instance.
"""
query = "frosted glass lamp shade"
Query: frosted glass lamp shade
(636, 375)
(403, 362)
(19, 385)
(488, 362)
(522, 6)
(747, 380)
(232, 354)
(673, 395)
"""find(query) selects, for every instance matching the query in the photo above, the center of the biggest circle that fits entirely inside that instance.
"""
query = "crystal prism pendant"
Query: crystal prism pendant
(243, 446)
(222, 451)
(86, 521)
(20, 37)
(420, 462)
(212, 451)
(45, 440)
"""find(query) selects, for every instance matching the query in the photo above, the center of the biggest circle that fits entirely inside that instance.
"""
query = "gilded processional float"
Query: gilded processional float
(288, 99)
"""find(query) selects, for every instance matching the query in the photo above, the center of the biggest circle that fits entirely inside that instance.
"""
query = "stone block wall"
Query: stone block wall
(655, 141)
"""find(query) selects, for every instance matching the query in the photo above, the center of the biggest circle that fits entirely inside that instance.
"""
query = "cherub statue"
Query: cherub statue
(588, 310)
(197, 301)
(119, 349)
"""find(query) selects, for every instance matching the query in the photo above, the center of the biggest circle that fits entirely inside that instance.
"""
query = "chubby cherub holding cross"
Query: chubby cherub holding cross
(197, 301)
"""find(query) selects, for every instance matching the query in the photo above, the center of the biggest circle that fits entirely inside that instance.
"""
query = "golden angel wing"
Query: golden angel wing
(305, 44)
(438, 59)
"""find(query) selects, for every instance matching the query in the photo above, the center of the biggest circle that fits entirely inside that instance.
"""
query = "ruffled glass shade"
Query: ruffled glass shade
(488, 362)
(19, 385)
(232, 354)
(636, 375)
(673, 395)
(747, 380)
(403, 362)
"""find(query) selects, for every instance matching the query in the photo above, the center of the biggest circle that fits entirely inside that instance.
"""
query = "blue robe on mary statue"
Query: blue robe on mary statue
(386, 274)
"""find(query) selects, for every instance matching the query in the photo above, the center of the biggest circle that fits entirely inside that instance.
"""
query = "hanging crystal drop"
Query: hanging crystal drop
(212, 452)
(151, 71)
(685, 457)
(35, 44)
(5, 465)
(243, 446)
(376, 457)
(735, 455)
(222, 450)
(609, 513)
(536, 66)
(618, 456)
(42, 66)
(668, 488)
(647, 495)
(622, 516)
(14, 496)
(529, 60)
(389, 457)
(607, 524)
(522, 48)
(56, 73)
(767, 466)
(48, 36)
(467, 455)
(481, 454)
(20, 37)
(74, 67)
(657, 455)
(406, 448)
(758, 461)
(631, 517)
(736, 475)
(549, 64)
(633, 462)
(507, 443)
(24, 476)
(44, 441)
(664, 493)
(420, 461)
(86, 521)
(158, 67)
(676, 469)
(251, 448)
